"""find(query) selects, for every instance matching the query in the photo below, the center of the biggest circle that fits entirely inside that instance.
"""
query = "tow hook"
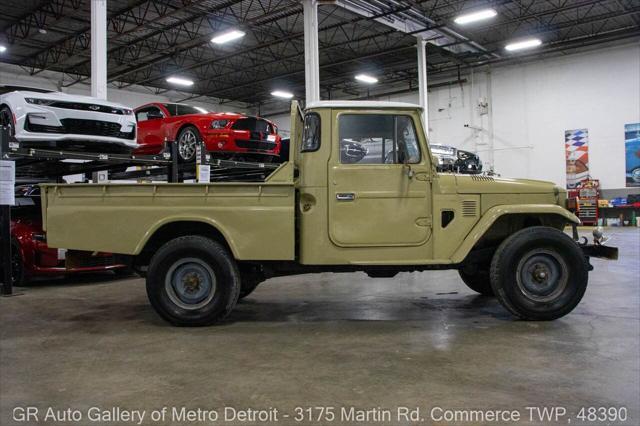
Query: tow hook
(597, 249)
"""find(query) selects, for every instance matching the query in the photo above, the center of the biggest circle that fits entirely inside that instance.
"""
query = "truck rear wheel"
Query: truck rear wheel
(539, 273)
(477, 280)
(193, 281)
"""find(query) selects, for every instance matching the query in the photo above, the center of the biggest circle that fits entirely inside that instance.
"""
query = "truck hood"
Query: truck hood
(475, 184)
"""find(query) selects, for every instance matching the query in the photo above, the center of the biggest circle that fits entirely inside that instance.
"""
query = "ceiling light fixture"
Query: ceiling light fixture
(227, 36)
(475, 16)
(524, 44)
(366, 78)
(180, 81)
(2, 48)
(282, 94)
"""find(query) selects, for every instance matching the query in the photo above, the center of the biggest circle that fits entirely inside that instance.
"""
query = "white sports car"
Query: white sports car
(46, 119)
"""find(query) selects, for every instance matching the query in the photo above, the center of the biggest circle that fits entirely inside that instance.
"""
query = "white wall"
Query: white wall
(530, 107)
(132, 96)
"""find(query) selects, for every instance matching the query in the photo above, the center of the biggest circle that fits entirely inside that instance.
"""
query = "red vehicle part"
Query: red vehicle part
(230, 135)
(33, 258)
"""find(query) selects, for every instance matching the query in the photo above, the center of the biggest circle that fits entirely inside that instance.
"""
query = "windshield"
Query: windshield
(182, 109)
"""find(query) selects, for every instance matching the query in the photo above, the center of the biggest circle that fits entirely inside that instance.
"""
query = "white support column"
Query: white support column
(99, 49)
(311, 57)
(422, 82)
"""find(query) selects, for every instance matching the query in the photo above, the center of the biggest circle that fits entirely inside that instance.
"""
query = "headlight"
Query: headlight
(127, 111)
(37, 101)
(219, 124)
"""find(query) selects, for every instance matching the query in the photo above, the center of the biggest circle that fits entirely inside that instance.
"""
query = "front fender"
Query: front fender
(494, 213)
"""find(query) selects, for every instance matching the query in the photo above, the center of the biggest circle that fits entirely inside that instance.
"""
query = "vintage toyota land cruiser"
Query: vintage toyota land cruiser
(360, 193)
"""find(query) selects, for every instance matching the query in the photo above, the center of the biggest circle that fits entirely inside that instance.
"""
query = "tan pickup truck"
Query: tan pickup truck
(360, 193)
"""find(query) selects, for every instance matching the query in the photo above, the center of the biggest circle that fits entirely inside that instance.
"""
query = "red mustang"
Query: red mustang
(234, 136)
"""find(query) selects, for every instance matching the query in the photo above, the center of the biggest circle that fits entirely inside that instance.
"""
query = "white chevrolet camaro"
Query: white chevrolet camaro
(40, 118)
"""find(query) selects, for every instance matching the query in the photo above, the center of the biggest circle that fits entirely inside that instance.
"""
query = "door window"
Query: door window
(148, 113)
(378, 139)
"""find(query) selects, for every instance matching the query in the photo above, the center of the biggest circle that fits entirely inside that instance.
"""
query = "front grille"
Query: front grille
(41, 128)
(82, 127)
(87, 107)
(256, 144)
(95, 128)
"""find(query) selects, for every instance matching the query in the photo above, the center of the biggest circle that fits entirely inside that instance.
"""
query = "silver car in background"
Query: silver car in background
(46, 119)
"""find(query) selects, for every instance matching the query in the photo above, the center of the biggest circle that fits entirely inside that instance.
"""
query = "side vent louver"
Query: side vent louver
(469, 208)
(480, 178)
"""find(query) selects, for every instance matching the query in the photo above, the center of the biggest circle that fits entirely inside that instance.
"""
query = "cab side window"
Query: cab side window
(149, 113)
(311, 133)
(378, 139)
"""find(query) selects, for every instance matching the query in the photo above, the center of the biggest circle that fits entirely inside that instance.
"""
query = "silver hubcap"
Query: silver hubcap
(542, 275)
(635, 175)
(187, 145)
(190, 283)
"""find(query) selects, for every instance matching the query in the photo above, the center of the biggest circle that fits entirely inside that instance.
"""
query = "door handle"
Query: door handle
(345, 196)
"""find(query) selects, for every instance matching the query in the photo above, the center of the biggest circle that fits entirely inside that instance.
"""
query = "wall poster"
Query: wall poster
(632, 153)
(576, 148)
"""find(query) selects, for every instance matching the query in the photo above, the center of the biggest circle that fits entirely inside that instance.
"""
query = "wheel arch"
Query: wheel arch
(173, 228)
(501, 221)
(184, 125)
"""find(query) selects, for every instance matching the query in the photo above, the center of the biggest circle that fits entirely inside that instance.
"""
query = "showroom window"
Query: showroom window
(378, 139)
(311, 133)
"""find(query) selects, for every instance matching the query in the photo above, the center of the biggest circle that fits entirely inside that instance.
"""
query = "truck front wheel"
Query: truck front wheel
(539, 273)
(193, 281)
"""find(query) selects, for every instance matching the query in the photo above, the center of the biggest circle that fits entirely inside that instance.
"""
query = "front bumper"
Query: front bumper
(46, 124)
(600, 251)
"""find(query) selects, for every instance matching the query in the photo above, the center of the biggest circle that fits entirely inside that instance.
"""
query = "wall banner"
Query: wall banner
(632, 153)
(576, 148)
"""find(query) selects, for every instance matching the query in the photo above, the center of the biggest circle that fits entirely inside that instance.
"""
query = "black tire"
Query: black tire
(477, 280)
(539, 273)
(216, 286)
(186, 141)
(17, 266)
(6, 119)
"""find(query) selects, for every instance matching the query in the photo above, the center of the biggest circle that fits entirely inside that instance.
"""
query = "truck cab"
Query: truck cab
(360, 193)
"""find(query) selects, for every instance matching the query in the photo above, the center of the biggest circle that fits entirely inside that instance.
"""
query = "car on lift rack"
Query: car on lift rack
(451, 159)
(226, 135)
(32, 258)
(42, 118)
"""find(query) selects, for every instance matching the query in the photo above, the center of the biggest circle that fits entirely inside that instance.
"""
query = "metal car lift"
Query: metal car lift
(36, 165)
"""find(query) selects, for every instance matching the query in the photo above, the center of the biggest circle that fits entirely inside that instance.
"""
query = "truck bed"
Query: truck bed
(256, 219)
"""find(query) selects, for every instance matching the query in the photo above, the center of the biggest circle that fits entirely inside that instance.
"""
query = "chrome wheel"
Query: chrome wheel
(190, 283)
(187, 144)
(635, 175)
(542, 275)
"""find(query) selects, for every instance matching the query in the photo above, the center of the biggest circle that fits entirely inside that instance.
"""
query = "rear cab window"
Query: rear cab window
(310, 133)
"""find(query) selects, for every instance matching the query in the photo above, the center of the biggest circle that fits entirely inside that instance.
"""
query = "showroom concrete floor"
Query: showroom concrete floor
(419, 340)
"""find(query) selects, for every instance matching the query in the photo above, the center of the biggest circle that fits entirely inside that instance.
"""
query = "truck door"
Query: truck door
(379, 181)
